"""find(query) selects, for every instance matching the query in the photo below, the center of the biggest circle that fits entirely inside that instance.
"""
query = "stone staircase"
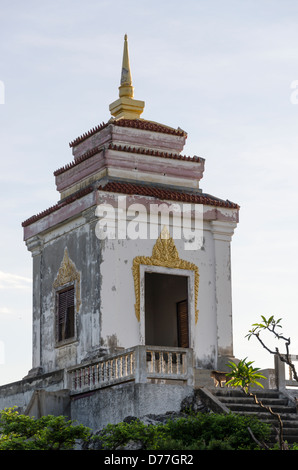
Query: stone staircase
(228, 400)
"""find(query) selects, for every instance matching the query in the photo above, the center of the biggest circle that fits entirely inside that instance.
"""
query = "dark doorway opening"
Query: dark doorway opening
(166, 310)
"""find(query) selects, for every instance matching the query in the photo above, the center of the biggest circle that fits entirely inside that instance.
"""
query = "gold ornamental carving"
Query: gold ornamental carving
(68, 274)
(164, 254)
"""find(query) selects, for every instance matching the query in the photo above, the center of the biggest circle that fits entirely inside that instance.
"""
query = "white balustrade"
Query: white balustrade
(105, 372)
(141, 363)
(167, 363)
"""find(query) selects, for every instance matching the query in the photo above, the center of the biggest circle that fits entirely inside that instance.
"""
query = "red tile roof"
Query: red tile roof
(166, 194)
(132, 123)
(141, 190)
(85, 136)
(78, 160)
(149, 126)
(155, 153)
(57, 206)
(124, 148)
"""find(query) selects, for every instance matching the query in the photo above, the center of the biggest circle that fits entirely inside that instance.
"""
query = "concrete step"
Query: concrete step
(289, 420)
(237, 402)
(250, 401)
(252, 407)
(234, 393)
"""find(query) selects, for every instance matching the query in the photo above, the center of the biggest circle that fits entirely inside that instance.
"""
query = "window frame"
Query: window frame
(72, 338)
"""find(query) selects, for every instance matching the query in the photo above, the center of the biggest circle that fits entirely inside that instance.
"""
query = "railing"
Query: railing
(284, 374)
(140, 364)
(166, 363)
(107, 371)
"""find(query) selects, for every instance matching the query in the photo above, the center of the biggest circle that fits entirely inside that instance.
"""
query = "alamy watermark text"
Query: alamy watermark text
(137, 221)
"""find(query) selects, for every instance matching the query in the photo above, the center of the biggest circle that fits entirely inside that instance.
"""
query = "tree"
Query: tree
(244, 375)
(271, 325)
(21, 432)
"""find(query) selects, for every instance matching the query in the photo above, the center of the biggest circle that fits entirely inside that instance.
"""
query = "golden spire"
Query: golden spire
(126, 88)
(125, 106)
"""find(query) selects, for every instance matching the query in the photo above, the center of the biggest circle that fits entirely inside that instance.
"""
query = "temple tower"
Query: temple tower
(108, 271)
(133, 255)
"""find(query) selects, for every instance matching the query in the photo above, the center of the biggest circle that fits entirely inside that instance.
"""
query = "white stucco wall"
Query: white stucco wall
(106, 319)
(211, 335)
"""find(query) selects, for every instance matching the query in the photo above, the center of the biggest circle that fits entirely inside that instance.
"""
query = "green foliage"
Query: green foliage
(115, 436)
(244, 375)
(230, 429)
(202, 431)
(173, 444)
(214, 444)
(20, 432)
(219, 445)
(269, 324)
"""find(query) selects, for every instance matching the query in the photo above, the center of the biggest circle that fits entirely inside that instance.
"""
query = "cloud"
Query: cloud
(5, 311)
(13, 281)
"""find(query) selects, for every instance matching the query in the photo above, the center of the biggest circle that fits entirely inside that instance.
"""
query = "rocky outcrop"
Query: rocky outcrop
(190, 404)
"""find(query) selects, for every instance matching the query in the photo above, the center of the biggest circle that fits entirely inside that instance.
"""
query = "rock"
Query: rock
(192, 403)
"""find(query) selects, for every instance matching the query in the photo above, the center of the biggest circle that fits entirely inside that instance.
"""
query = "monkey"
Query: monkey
(219, 377)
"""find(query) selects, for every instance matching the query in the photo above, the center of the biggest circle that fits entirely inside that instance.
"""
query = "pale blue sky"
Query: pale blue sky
(222, 71)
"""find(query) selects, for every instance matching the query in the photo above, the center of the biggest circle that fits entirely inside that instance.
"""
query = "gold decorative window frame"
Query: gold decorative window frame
(164, 254)
(67, 275)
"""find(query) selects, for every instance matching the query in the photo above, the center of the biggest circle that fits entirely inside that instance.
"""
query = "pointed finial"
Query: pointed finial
(126, 106)
(126, 88)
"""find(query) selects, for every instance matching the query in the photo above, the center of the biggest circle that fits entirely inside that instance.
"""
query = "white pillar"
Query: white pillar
(35, 245)
(222, 234)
